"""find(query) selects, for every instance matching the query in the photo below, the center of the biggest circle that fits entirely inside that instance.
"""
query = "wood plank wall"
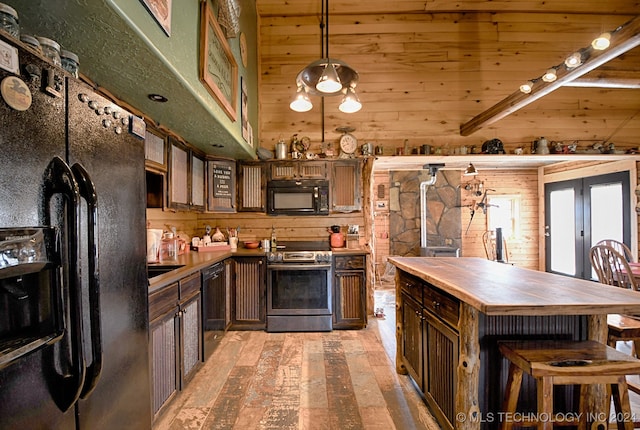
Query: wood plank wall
(522, 251)
(422, 75)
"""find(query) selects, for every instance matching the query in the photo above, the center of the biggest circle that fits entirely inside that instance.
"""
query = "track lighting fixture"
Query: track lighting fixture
(526, 87)
(601, 42)
(573, 60)
(550, 75)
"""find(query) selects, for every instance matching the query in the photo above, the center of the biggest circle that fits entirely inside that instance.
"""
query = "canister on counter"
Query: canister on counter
(9, 20)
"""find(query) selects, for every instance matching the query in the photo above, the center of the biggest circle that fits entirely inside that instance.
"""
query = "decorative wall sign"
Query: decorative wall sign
(161, 11)
(222, 180)
(218, 68)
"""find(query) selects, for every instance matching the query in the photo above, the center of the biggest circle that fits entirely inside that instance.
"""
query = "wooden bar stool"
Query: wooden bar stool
(553, 362)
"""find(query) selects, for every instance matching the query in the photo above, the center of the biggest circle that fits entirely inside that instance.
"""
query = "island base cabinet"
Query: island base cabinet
(412, 339)
(440, 364)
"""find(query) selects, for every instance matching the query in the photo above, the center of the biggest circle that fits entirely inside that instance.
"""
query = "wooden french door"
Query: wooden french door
(581, 212)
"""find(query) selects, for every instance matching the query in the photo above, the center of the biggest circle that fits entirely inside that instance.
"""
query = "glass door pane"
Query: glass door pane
(562, 231)
(606, 212)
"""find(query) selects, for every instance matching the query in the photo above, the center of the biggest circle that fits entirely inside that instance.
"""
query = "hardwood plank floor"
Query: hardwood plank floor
(334, 380)
(337, 380)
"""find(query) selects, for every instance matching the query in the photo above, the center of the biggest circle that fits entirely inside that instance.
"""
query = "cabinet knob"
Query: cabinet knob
(435, 304)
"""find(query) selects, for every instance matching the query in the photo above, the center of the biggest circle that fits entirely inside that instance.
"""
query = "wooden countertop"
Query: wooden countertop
(502, 289)
(194, 261)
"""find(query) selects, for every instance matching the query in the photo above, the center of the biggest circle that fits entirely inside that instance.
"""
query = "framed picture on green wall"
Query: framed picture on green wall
(218, 68)
(161, 11)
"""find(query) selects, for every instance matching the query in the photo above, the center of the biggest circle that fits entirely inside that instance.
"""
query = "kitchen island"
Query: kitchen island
(452, 311)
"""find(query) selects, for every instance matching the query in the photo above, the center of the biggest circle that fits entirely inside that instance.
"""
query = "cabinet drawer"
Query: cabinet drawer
(349, 262)
(189, 286)
(441, 304)
(162, 301)
(411, 286)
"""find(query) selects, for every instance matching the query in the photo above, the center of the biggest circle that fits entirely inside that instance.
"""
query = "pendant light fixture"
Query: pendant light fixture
(327, 76)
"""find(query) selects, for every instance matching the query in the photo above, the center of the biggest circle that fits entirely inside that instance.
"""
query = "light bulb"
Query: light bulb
(350, 102)
(526, 87)
(301, 102)
(601, 42)
(329, 81)
(550, 75)
(573, 60)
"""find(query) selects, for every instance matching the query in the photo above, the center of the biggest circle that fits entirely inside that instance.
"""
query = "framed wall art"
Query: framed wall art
(244, 109)
(218, 68)
(161, 11)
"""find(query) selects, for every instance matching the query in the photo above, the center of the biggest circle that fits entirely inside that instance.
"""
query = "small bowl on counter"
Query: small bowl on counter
(252, 244)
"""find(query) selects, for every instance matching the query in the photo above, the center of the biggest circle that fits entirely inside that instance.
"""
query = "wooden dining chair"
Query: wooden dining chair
(621, 247)
(612, 268)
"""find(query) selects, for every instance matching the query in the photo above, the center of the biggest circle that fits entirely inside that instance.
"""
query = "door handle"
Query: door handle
(88, 193)
(67, 380)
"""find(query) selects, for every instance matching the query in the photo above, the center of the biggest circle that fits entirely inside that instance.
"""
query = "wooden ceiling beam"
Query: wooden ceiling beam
(623, 39)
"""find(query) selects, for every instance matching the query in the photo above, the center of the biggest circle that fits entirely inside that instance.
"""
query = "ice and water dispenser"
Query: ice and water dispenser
(30, 291)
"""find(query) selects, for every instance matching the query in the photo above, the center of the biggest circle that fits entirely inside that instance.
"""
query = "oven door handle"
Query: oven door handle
(297, 266)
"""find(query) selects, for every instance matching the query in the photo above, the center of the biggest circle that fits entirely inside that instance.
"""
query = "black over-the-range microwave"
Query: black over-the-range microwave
(298, 197)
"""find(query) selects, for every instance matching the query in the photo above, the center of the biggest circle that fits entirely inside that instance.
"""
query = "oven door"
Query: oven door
(299, 297)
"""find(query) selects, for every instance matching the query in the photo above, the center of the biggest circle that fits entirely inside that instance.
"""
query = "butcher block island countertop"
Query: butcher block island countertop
(502, 289)
(451, 313)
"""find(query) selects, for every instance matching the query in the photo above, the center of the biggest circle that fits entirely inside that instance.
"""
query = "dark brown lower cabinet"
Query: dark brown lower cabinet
(249, 294)
(349, 292)
(175, 325)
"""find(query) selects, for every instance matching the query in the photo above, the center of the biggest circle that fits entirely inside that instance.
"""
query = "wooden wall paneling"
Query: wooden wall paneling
(423, 74)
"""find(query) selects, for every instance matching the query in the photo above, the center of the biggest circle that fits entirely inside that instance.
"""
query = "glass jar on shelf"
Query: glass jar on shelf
(9, 20)
(70, 62)
(51, 50)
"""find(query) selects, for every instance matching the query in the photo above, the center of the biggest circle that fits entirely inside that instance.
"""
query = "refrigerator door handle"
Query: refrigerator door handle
(66, 383)
(88, 193)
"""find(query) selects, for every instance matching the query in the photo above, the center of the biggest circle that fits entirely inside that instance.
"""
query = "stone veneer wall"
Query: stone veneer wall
(443, 211)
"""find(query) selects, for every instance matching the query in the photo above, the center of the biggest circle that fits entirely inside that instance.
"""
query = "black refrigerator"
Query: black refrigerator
(74, 350)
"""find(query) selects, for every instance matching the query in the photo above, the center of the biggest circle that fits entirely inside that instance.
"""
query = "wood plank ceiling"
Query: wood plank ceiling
(427, 67)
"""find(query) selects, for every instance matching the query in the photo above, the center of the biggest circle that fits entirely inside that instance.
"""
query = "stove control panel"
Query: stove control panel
(308, 257)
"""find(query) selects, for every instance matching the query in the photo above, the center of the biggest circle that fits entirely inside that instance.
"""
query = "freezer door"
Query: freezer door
(30, 139)
(100, 142)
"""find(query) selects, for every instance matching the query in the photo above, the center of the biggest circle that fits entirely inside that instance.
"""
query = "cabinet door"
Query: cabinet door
(345, 186)
(440, 366)
(221, 179)
(251, 188)
(155, 150)
(298, 169)
(164, 369)
(190, 337)
(197, 183)
(412, 334)
(178, 175)
(349, 299)
(249, 294)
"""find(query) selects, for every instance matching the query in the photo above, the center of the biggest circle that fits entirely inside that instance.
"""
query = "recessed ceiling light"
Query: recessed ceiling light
(158, 98)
